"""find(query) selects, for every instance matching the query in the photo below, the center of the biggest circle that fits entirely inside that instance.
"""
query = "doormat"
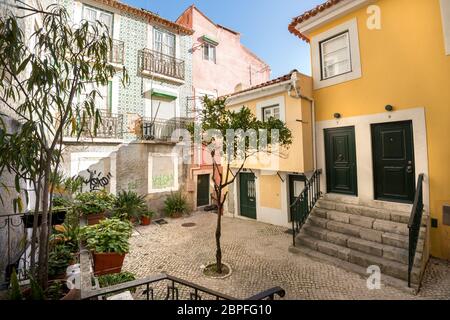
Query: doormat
(161, 221)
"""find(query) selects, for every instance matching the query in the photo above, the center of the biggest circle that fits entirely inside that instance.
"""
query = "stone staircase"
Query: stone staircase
(354, 235)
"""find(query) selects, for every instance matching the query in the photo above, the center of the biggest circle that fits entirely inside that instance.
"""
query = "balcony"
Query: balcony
(155, 62)
(110, 127)
(159, 129)
(117, 53)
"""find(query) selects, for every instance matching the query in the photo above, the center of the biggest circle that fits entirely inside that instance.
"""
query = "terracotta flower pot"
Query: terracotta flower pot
(145, 221)
(93, 219)
(107, 263)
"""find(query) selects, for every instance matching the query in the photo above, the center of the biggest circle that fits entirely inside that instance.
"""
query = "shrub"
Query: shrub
(129, 204)
(175, 204)
(59, 259)
(94, 202)
(110, 235)
(109, 280)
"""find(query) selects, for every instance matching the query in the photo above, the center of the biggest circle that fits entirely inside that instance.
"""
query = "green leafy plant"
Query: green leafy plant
(108, 280)
(59, 259)
(94, 202)
(14, 292)
(59, 203)
(148, 214)
(68, 235)
(129, 204)
(109, 236)
(176, 204)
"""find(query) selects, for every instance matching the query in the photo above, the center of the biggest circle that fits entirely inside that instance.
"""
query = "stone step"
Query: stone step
(368, 212)
(369, 247)
(386, 280)
(388, 267)
(382, 232)
(376, 204)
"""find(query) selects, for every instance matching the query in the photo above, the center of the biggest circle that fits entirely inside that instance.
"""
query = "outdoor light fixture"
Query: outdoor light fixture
(389, 108)
(337, 115)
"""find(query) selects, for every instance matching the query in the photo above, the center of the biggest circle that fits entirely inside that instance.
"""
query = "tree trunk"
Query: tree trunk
(44, 234)
(219, 232)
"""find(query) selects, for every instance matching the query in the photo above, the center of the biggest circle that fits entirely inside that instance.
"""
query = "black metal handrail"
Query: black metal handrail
(305, 202)
(415, 221)
(157, 62)
(175, 289)
(110, 127)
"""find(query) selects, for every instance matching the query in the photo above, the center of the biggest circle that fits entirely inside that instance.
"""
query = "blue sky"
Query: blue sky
(262, 24)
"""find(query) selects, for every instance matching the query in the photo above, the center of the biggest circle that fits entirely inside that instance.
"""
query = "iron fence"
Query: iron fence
(157, 62)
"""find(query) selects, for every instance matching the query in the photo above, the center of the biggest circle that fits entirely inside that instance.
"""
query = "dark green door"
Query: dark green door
(247, 195)
(393, 161)
(340, 154)
(202, 190)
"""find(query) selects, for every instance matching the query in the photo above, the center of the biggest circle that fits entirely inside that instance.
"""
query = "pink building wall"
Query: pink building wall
(234, 65)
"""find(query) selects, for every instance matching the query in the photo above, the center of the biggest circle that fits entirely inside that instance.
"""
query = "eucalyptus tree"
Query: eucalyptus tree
(232, 138)
(48, 80)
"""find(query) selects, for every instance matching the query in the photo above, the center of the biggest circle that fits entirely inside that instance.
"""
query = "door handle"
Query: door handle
(409, 169)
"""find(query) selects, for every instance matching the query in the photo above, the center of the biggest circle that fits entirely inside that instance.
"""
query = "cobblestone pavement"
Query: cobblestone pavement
(259, 257)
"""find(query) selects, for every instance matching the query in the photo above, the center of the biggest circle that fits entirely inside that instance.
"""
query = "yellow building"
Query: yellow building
(264, 189)
(381, 90)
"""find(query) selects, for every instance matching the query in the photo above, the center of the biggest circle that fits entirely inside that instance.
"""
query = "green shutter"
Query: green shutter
(210, 40)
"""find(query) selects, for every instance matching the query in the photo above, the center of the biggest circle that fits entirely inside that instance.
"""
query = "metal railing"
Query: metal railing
(166, 287)
(415, 221)
(160, 129)
(305, 202)
(117, 53)
(157, 62)
(14, 243)
(110, 127)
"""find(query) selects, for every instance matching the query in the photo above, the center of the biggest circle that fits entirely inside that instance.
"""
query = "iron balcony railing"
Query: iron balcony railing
(414, 224)
(110, 127)
(162, 130)
(166, 287)
(157, 62)
(305, 202)
(117, 53)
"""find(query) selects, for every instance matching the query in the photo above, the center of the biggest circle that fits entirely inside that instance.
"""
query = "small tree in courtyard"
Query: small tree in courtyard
(234, 137)
(48, 80)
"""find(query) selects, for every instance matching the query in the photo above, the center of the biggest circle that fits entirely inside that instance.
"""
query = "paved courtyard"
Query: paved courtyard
(258, 254)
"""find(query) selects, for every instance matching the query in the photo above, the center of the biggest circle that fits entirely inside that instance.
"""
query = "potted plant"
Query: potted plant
(108, 241)
(60, 207)
(129, 205)
(176, 205)
(146, 218)
(94, 205)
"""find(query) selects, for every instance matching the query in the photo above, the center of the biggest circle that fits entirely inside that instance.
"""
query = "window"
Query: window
(103, 97)
(92, 15)
(164, 42)
(271, 112)
(335, 56)
(209, 52)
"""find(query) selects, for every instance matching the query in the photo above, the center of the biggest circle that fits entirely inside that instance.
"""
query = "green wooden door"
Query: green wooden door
(393, 161)
(340, 154)
(202, 190)
(247, 195)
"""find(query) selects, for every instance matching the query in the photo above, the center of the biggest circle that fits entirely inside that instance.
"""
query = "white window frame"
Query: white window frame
(272, 108)
(175, 186)
(277, 101)
(163, 43)
(445, 12)
(351, 27)
(212, 52)
(98, 12)
(322, 55)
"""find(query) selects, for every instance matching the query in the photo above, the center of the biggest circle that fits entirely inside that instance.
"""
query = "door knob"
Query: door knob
(409, 169)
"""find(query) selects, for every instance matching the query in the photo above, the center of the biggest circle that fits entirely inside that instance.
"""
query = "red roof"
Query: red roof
(284, 78)
(309, 14)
